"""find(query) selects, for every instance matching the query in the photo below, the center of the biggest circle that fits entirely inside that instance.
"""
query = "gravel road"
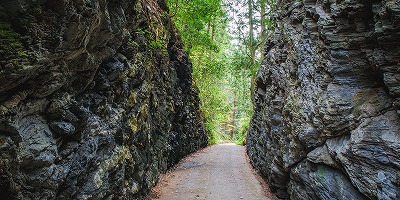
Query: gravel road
(217, 172)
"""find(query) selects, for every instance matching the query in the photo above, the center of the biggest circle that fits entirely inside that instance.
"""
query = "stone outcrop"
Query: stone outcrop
(327, 101)
(96, 98)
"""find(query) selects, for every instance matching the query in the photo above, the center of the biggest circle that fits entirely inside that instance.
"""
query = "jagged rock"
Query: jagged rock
(62, 128)
(310, 181)
(90, 108)
(326, 99)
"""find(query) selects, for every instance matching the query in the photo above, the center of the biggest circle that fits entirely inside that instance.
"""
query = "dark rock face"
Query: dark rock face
(327, 101)
(95, 99)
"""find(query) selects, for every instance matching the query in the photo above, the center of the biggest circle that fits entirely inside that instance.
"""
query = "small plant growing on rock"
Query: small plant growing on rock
(11, 45)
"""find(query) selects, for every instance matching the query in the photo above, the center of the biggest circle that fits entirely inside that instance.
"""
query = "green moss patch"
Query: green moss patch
(11, 43)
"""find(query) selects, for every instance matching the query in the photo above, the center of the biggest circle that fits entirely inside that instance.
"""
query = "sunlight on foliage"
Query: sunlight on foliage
(223, 70)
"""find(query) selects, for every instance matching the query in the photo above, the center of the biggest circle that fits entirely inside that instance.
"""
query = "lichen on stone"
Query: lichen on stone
(118, 156)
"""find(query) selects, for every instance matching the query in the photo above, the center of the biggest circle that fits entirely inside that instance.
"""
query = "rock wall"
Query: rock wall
(327, 101)
(96, 98)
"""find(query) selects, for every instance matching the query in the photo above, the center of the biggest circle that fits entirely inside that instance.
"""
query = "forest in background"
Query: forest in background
(224, 40)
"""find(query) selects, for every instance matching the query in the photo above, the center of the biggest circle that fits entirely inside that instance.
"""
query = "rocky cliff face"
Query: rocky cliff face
(95, 98)
(327, 101)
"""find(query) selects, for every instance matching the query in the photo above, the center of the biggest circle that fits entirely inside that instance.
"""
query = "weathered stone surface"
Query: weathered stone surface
(326, 122)
(96, 99)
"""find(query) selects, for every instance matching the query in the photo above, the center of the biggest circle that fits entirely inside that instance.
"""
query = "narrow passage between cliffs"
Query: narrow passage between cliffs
(216, 172)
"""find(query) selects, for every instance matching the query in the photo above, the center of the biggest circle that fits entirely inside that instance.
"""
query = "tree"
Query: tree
(222, 69)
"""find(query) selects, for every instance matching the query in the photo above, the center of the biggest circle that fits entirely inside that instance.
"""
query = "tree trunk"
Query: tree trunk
(252, 47)
(233, 116)
(262, 21)
(212, 38)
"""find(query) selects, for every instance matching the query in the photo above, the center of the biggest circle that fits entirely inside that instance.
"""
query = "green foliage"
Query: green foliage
(241, 139)
(242, 131)
(155, 41)
(142, 31)
(213, 137)
(222, 70)
(202, 29)
(11, 42)
(157, 44)
(192, 19)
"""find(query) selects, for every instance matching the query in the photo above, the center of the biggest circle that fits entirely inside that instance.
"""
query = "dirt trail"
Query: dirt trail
(218, 172)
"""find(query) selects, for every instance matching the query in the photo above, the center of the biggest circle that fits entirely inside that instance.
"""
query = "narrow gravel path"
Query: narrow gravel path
(218, 172)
